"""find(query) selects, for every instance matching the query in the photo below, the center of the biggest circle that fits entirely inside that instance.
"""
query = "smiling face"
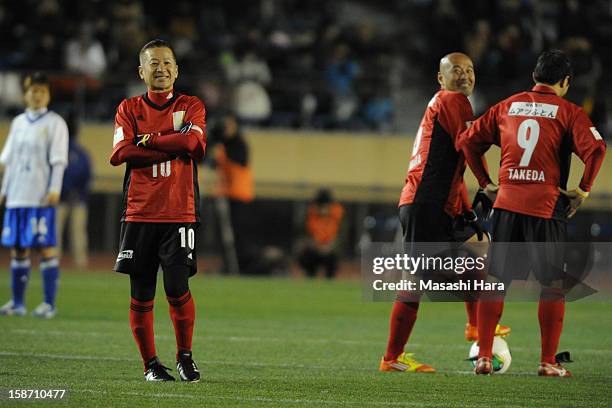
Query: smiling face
(158, 69)
(457, 73)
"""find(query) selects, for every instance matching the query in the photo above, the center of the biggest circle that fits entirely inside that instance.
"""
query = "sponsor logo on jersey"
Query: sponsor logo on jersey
(595, 133)
(127, 254)
(526, 175)
(533, 109)
(414, 162)
(177, 119)
(432, 101)
(118, 135)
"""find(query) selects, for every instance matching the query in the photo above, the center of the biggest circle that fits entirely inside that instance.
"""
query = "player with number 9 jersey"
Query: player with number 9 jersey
(537, 131)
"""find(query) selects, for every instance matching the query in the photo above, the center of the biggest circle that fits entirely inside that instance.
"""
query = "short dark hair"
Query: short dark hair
(324, 197)
(156, 43)
(552, 66)
(35, 78)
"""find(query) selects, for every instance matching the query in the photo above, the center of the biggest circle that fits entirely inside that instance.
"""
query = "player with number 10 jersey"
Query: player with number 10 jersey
(166, 191)
(160, 136)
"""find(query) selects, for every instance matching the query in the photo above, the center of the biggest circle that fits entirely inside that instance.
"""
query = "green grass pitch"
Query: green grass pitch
(280, 342)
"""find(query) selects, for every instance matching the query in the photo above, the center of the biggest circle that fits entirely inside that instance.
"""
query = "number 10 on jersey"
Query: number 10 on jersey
(163, 171)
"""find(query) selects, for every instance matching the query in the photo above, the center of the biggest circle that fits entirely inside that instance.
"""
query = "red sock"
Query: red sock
(550, 315)
(489, 313)
(403, 316)
(182, 313)
(471, 307)
(141, 322)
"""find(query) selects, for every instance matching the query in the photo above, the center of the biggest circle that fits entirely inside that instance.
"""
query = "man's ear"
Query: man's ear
(177, 71)
(440, 79)
(140, 72)
(533, 77)
(566, 81)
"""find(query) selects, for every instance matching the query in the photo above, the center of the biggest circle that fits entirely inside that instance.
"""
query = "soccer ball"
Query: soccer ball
(501, 355)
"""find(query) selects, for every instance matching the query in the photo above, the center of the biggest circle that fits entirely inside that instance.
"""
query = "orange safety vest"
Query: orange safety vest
(324, 228)
(236, 180)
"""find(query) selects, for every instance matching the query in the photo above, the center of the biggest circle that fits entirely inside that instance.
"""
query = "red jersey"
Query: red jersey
(435, 172)
(537, 132)
(161, 180)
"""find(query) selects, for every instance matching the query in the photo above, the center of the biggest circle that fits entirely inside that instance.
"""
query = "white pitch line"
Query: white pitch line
(214, 338)
(248, 339)
(73, 333)
(254, 364)
(274, 400)
(212, 362)
(252, 399)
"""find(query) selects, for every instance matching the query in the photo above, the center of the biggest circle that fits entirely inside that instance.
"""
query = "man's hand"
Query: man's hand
(2, 200)
(142, 140)
(576, 197)
(485, 203)
(471, 219)
(325, 248)
(190, 126)
(186, 127)
(491, 191)
(52, 199)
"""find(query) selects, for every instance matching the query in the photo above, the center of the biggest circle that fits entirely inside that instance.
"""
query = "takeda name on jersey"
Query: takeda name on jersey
(526, 175)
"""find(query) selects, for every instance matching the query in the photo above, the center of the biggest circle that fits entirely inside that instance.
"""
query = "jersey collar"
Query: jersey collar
(160, 100)
(545, 89)
(34, 114)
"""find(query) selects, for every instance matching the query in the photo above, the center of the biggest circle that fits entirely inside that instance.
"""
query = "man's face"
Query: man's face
(230, 128)
(158, 69)
(457, 75)
(324, 209)
(37, 96)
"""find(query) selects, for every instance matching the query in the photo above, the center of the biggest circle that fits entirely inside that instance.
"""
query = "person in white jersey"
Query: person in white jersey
(34, 158)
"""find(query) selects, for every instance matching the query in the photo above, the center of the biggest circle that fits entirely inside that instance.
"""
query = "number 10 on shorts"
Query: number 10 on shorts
(187, 237)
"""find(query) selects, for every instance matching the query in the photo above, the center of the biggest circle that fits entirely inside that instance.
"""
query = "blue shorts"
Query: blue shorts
(29, 227)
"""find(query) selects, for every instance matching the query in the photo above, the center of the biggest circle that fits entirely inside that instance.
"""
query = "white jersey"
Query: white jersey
(37, 141)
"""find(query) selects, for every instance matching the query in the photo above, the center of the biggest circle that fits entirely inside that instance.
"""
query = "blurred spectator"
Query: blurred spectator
(477, 43)
(340, 74)
(586, 89)
(184, 30)
(236, 184)
(248, 76)
(84, 54)
(127, 36)
(300, 64)
(378, 110)
(322, 226)
(72, 211)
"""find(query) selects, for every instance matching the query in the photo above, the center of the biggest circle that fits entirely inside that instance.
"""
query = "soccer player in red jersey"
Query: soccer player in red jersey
(537, 131)
(160, 137)
(434, 196)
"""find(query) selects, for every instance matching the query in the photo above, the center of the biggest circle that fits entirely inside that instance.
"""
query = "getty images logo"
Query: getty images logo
(127, 254)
